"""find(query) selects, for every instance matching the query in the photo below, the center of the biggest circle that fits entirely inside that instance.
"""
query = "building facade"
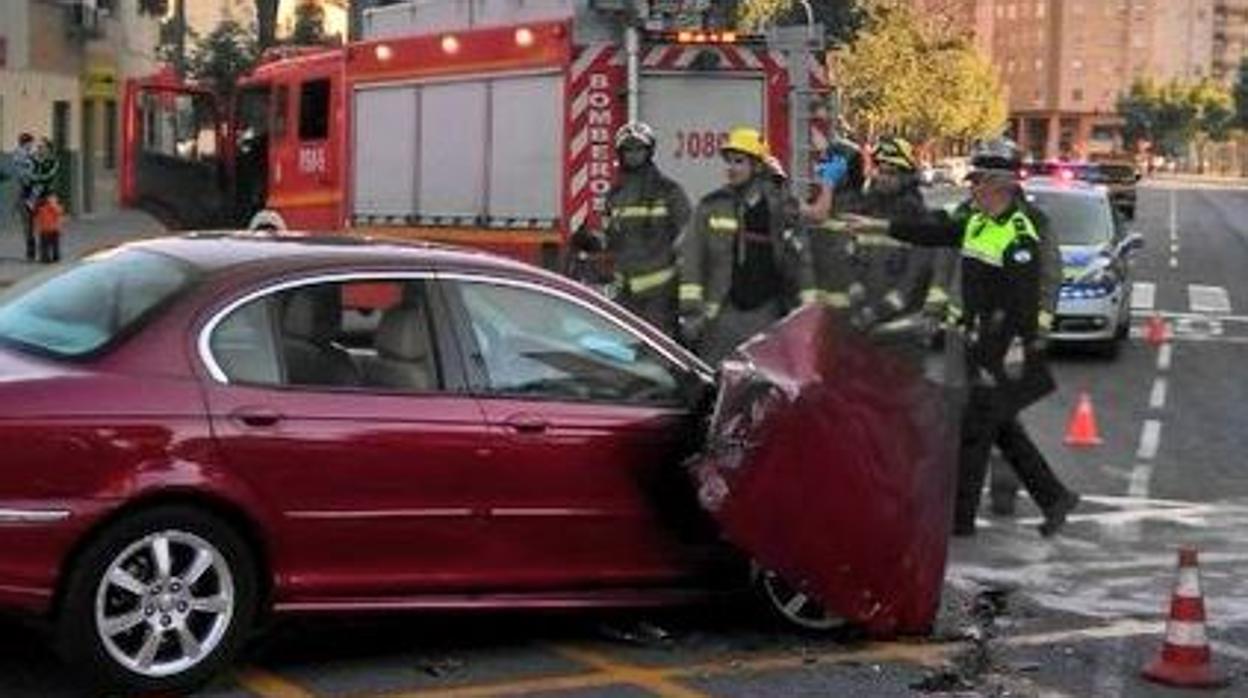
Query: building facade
(62, 66)
(1230, 38)
(1065, 63)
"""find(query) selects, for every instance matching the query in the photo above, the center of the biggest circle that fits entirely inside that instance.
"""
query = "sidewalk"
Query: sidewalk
(80, 236)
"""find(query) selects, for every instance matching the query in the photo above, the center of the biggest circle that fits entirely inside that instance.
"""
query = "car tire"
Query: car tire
(133, 629)
(790, 607)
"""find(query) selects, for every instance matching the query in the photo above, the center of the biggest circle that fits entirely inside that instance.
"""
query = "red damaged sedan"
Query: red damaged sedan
(201, 430)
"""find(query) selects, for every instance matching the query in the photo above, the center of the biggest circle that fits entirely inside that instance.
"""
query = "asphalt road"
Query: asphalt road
(1075, 616)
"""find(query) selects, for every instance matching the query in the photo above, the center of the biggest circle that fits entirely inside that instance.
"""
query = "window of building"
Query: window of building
(1077, 94)
(1011, 11)
(1076, 64)
(314, 110)
(1040, 9)
(1039, 64)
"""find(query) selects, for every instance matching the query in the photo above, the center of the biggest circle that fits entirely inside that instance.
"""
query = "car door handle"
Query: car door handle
(256, 416)
(527, 424)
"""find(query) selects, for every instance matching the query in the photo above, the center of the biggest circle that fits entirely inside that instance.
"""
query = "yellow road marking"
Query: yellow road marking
(655, 680)
(269, 685)
(518, 687)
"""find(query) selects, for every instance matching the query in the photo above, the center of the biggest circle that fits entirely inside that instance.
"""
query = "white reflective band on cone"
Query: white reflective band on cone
(1182, 633)
(1188, 585)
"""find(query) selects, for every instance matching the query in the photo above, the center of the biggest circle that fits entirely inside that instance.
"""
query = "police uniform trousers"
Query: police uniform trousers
(984, 425)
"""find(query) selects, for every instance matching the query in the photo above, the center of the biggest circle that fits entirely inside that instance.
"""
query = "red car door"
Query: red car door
(587, 435)
(346, 421)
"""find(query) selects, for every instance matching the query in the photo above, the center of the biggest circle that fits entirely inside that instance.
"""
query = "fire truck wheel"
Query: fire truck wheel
(268, 221)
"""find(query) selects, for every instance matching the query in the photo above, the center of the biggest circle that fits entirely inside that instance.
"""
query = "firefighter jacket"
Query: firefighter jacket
(713, 248)
(1002, 283)
(645, 214)
(893, 278)
(834, 252)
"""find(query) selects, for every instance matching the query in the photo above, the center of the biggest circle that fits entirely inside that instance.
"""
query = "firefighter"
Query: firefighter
(645, 214)
(832, 251)
(894, 277)
(744, 261)
(1002, 285)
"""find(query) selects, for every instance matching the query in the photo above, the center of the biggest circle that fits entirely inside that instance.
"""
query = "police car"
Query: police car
(1094, 306)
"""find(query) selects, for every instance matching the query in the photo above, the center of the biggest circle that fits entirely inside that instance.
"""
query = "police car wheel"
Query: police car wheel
(791, 605)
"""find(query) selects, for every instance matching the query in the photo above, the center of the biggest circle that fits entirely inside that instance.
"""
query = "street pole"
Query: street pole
(179, 27)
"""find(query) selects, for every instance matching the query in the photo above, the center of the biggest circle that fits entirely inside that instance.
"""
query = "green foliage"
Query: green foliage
(1175, 114)
(1240, 96)
(223, 56)
(309, 27)
(840, 18)
(905, 76)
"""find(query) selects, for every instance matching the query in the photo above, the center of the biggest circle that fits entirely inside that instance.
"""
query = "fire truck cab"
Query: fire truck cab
(486, 123)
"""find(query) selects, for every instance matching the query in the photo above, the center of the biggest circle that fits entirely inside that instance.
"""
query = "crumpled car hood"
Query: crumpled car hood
(833, 463)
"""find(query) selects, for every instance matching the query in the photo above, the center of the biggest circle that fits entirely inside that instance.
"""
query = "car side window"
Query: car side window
(529, 343)
(363, 335)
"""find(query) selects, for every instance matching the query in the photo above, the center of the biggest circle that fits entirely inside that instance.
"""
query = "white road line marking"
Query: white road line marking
(1208, 299)
(1174, 215)
(1140, 477)
(1164, 355)
(1143, 295)
(1174, 263)
(1150, 440)
(1157, 398)
(1193, 316)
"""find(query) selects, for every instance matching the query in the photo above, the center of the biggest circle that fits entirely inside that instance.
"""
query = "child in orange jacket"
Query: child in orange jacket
(48, 217)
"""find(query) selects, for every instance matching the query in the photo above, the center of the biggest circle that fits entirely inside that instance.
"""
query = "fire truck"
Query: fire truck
(485, 123)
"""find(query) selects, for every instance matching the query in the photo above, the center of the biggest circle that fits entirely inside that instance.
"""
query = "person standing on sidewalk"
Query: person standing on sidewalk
(1001, 289)
(24, 167)
(646, 212)
(48, 218)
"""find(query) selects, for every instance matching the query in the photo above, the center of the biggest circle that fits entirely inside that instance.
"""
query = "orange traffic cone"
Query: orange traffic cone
(1155, 330)
(1082, 428)
(1186, 660)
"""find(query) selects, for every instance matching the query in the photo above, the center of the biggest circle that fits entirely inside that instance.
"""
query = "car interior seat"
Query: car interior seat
(311, 318)
(404, 346)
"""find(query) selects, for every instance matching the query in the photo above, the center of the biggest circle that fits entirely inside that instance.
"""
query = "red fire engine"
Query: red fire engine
(487, 124)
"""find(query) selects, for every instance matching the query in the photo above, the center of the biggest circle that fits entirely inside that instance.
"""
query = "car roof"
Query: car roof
(216, 251)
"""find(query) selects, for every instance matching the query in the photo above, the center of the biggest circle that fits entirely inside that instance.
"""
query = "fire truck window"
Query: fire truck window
(281, 111)
(314, 110)
(179, 125)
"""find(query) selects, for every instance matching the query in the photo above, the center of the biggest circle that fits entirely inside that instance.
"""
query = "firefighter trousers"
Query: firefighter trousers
(980, 431)
(656, 306)
(732, 326)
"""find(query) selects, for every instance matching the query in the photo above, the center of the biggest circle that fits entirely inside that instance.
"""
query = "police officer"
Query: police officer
(1001, 154)
(646, 212)
(1001, 289)
(744, 261)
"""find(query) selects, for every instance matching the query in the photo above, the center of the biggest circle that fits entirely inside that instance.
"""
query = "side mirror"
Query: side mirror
(1132, 242)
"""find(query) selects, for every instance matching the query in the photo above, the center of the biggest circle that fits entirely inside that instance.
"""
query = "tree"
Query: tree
(905, 76)
(223, 56)
(266, 22)
(840, 18)
(1241, 95)
(309, 27)
(1177, 114)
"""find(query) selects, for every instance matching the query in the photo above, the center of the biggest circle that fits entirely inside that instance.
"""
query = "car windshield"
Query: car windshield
(1077, 219)
(1116, 173)
(91, 303)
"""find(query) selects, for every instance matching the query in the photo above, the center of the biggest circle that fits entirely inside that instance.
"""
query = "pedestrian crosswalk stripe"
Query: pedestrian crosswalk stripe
(1143, 295)
(1208, 299)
